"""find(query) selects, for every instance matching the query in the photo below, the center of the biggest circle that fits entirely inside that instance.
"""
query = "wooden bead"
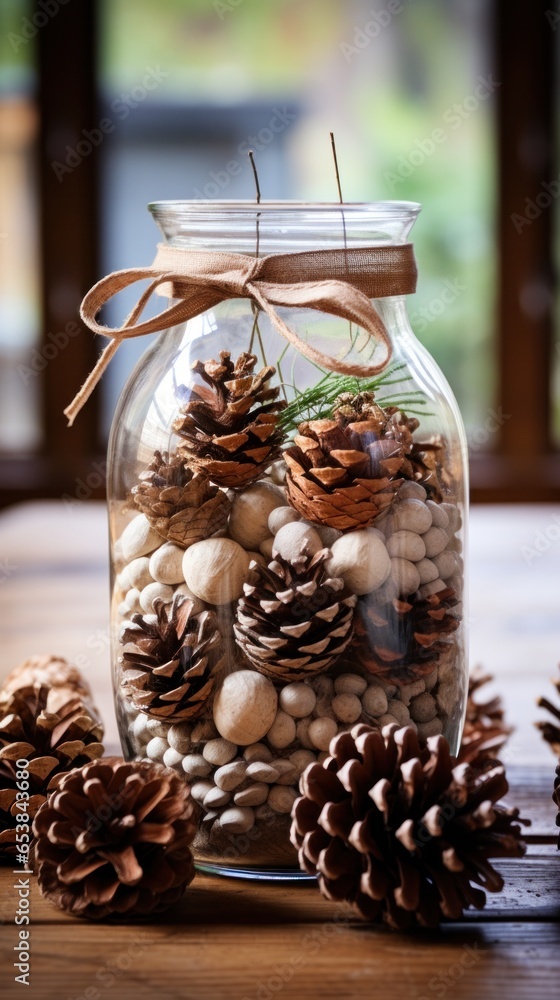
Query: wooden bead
(219, 752)
(237, 819)
(281, 798)
(250, 511)
(347, 707)
(321, 732)
(298, 699)
(230, 775)
(138, 538)
(435, 540)
(350, 684)
(138, 572)
(412, 515)
(215, 569)
(282, 731)
(361, 559)
(166, 564)
(245, 707)
(296, 539)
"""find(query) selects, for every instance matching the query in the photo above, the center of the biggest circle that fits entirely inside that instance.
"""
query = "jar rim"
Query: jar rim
(378, 209)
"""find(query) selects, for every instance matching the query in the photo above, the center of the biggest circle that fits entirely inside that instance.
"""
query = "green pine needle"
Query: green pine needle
(317, 401)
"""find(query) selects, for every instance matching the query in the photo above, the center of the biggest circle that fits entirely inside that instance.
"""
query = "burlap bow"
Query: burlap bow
(339, 282)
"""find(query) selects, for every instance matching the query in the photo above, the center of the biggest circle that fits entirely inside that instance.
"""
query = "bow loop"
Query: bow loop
(337, 282)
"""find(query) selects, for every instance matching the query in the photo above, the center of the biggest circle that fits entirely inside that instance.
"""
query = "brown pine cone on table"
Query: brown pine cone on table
(52, 742)
(550, 728)
(229, 428)
(294, 619)
(62, 677)
(405, 639)
(170, 667)
(113, 839)
(485, 731)
(404, 834)
(183, 508)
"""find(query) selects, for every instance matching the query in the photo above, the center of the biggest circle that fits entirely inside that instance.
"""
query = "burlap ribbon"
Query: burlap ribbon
(339, 282)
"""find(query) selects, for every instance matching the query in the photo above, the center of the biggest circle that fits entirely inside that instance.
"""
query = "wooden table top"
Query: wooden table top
(253, 941)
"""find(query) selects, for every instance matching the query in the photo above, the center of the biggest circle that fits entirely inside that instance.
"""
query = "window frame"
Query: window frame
(524, 465)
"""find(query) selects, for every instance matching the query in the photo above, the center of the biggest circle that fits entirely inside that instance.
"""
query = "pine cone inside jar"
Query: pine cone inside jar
(229, 427)
(341, 471)
(52, 742)
(405, 639)
(294, 619)
(114, 839)
(485, 731)
(550, 728)
(170, 668)
(403, 833)
(182, 507)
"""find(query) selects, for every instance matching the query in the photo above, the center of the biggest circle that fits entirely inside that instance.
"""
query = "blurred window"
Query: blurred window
(20, 361)
(411, 100)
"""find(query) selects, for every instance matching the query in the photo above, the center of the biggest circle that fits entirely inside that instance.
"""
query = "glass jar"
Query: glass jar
(287, 540)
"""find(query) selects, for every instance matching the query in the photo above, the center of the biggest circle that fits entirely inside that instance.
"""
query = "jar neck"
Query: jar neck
(283, 227)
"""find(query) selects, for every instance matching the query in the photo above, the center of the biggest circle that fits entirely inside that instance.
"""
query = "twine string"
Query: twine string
(337, 282)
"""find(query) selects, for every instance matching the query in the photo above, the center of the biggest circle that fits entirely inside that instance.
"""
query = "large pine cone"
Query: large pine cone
(62, 677)
(294, 620)
(550, 728)
(133, 861)
(342, 472)
(399, 831)
(52, 742)
(229, 429)
(485, 731)
(169, 672)
(180, 506)
(404, 640)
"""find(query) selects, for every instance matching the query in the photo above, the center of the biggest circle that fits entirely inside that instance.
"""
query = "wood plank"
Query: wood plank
(335, 961)
(530, 790)
(531, 892)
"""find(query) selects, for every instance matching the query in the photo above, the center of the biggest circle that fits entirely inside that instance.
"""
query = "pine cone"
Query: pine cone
(485, 731)
(550, 730)
(404, 640)
(294, 619)
(342, 472)
(399, 831)
(135, 862)
(230, 431)
(182, 507)
(62, 677)
(52, 742)
(169, 673)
